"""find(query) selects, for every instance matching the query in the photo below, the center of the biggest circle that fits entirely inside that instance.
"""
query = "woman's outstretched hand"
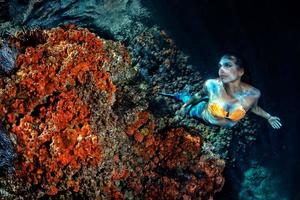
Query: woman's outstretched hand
(275, 122)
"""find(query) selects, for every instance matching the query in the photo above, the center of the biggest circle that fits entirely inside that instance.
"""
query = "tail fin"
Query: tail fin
(181, 96)
(169, 94)
(184, 96)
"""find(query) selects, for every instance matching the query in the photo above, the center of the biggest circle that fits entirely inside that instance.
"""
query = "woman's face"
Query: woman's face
(229, 71)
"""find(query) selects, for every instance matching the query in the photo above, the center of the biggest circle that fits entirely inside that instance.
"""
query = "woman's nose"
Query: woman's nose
(221, 69)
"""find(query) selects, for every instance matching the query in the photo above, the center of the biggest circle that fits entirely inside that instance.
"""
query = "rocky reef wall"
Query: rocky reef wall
(72, 92)
(79, 128)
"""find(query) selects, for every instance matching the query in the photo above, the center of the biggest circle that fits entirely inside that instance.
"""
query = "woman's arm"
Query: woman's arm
(196, 98)
(273, 120)
(260, 112)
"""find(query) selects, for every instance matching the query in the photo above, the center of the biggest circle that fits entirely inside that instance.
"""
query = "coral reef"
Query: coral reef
(88, 122)
(42, 105)
(171, 166)
(163, 165)
(109, 114)
(139, 129)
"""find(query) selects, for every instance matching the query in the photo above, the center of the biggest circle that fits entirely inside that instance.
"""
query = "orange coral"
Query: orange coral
(173, 166)
(120, 174)
(143, 126)
(42, 106)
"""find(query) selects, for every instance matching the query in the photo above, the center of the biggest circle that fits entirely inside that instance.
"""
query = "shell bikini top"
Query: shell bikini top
(219, 111)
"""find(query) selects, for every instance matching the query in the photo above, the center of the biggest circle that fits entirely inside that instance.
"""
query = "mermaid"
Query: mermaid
(225, 100)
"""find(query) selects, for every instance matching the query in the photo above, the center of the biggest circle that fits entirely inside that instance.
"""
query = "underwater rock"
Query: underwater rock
(7, 57)
(118, 19)
(7, 153)
(163, 67)
(261, 183)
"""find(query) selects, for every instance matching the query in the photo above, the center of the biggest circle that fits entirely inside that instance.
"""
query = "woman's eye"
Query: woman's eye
(227, 65)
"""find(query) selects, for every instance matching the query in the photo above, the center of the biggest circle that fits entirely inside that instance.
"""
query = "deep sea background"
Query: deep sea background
(266, 33)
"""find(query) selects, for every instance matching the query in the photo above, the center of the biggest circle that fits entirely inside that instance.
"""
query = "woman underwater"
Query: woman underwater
(225, 100)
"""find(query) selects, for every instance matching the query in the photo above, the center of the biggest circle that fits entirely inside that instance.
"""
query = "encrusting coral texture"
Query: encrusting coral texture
(173, 160)
(44, 110)
(83, 128)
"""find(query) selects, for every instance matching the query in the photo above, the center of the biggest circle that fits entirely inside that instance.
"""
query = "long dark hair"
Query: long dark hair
(241, 63)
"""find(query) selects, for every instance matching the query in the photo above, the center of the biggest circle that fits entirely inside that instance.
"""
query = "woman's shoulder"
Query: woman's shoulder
(250, 90)
(213, 81)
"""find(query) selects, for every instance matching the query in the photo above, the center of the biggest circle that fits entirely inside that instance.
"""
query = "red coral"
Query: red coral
(143, 126)
(166, 165)
(173, 166)
(42, 106)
